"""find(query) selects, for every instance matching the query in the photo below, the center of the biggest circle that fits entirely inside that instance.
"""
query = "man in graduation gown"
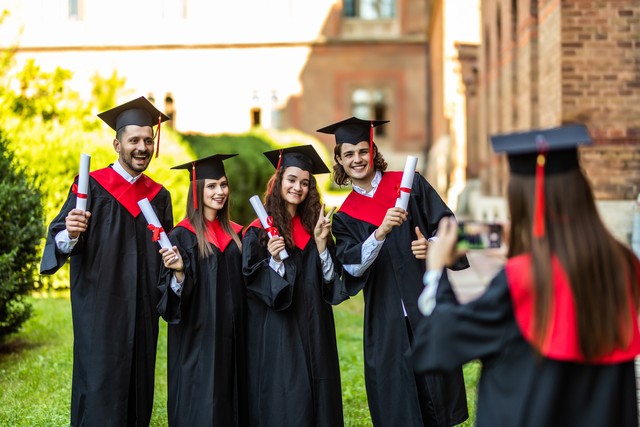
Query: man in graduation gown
(382, 249)
(114, 272)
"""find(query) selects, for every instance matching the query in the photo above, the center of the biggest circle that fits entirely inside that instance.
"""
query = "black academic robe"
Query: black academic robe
(396, 397)
(294, 375)
(206, 365)
(519, 387)
(114, 272)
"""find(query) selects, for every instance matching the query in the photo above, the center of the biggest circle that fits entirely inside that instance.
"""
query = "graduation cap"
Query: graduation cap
(353, 131)
(138, 112)
(542, 152)
(303, 156)
(210, 167)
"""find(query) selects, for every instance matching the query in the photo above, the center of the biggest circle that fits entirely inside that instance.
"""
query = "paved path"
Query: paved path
(483, 265)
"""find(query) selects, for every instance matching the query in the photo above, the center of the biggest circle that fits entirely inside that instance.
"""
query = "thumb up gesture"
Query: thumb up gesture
(420, 245)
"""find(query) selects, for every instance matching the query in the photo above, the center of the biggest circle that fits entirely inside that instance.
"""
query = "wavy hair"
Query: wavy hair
(198, 220)
(308, 210)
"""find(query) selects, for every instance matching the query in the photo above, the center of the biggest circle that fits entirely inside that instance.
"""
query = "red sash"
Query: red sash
(373, 209)
(125, 193)
(216, 236)
(562, 341)
(300, 236)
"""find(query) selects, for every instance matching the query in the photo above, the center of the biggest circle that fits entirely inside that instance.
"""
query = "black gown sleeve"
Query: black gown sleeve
(349, 250)
(431, 209)
(52, 258)
(169, 306)
(334, 291)
(456, 334)
(260, 279)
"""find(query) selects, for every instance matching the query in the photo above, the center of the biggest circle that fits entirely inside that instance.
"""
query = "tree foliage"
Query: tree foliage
(21, 216)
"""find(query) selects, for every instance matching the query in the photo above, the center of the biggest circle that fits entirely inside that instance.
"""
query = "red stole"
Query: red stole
(300, 236)
(125, 193)
(562, 342)
(216, 235)
(373, 209)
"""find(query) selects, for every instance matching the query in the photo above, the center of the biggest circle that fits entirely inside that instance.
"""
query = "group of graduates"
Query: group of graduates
(251, 334)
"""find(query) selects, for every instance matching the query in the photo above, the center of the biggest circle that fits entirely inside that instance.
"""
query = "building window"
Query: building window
(370, 104)
(369, 9)
(256, 114)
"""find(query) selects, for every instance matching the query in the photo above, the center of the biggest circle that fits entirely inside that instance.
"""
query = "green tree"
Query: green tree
(22, 219)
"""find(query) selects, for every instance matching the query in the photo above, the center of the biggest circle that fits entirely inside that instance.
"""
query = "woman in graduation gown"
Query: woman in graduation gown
(203, 303)
(294, 377)
(556, 330)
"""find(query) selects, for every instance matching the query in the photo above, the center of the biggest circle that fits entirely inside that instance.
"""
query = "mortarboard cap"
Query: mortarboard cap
(560, 146)
(138, 112)
(352, 130)
(303, 156)
(542, 152)
(206, 168)
(210, 167)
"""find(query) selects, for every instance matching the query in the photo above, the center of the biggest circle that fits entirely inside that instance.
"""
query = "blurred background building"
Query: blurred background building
(446, 73)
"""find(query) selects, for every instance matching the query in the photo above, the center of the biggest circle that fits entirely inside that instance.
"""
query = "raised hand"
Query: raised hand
(420, 246)
(322, 230)
(393, 218)
(76, 222)
(442, 252)
(172, 260)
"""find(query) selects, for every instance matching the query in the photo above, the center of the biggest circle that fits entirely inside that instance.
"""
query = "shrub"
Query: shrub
(22, 219)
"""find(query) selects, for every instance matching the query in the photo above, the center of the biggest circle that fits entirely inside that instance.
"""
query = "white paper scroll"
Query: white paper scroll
(258, 207)
(83, 182)
(407, 182)
(154, 224)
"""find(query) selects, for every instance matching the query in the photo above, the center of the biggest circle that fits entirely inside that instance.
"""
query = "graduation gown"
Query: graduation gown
(395, 395)
(114, 272)
(519, 387)
(206, 365)
(294, 376)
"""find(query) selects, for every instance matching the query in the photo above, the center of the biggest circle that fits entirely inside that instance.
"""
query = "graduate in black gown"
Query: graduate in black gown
(557, 328)
(294, 375)
(382, 249)
(203, 302)
(114, 272)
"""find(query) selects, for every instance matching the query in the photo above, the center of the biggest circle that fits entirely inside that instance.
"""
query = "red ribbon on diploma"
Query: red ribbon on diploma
(74, 189)
(156, 232)
(402, 190)
(271, 229)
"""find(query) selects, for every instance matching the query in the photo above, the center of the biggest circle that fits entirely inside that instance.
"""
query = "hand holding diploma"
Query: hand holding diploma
(83, 182)
(267, 224)
(159, 234)
(407, 182)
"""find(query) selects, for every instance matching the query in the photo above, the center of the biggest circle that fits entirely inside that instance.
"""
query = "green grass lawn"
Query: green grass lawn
(35, 368)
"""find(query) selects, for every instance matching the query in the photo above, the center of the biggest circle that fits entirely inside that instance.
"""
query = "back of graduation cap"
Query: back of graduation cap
(542, 152)
(353, 131)
(210, 167)
(139, 112)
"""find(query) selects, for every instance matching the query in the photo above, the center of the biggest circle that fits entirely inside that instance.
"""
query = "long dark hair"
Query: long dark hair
(197, 219)
(308, 210)
(341, 178)
(599, 268)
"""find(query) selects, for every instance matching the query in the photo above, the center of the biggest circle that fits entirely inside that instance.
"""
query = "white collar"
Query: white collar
(123, 173)
(374, 186)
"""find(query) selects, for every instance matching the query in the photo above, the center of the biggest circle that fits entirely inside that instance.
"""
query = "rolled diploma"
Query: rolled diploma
(258, 207)
(407, 182)
(83, 182)
(152, 218)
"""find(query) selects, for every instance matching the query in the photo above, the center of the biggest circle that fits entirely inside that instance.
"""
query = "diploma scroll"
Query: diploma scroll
(407, 181)
(83, 182)
(266, 221)
(154, 224)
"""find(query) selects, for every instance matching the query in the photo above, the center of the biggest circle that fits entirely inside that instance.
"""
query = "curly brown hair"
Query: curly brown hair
(341, 178)
(308, 210)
